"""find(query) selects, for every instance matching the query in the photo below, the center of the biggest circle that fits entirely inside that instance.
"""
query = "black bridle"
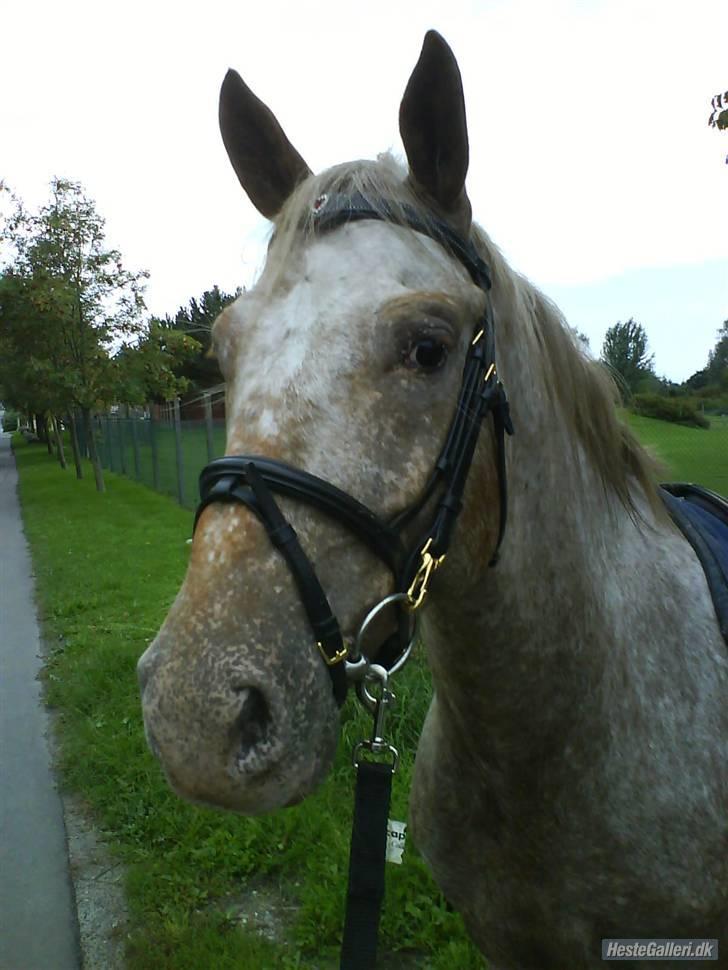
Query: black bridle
(252, 480)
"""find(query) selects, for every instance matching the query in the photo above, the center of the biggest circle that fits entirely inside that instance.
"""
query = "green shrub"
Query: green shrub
(680, 410)
(10, 421)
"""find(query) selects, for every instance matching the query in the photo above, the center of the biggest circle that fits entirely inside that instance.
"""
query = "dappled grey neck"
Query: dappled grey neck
(509, 651)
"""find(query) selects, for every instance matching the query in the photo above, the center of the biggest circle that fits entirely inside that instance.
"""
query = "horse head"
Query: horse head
(346, 359)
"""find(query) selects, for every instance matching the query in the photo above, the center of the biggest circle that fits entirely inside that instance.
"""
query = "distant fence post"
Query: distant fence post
(81, 434)
(208, 425)
(155, 453)
(108, 442)
(135, 445)
(122, 449)
(178, 452)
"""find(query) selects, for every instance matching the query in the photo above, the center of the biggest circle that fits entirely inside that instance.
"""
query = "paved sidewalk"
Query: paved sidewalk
(38, 927)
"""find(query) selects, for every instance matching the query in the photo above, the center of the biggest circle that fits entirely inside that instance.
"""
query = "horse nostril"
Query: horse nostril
(253, 721)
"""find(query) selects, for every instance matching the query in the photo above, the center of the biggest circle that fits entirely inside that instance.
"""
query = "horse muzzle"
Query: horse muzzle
(236, 733)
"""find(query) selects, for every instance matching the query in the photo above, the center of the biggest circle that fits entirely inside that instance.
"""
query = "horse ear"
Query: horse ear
(267, 164)
(434, 130)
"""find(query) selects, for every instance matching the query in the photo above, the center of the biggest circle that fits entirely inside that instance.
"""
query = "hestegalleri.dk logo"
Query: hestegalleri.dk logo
(659, 949)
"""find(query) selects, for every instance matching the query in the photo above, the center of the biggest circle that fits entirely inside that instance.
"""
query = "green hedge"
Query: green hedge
(680, 410)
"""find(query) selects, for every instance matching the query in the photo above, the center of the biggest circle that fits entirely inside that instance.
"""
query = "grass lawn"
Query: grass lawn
(690, 454)
(107, 568)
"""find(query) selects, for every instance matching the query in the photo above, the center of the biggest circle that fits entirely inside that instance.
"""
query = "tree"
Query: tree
(719, 113)
(83, 286)
(714, 376)
(150, 369)
(717, 369)
(31, 356)
(624, 351)
(196, 320)
(23, 337)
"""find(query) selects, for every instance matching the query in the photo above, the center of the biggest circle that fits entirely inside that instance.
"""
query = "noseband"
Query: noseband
(252, 480)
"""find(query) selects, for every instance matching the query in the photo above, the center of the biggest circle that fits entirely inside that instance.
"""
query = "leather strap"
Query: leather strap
(284, 479)
(366, 866)
(257, 497)
(334, 210)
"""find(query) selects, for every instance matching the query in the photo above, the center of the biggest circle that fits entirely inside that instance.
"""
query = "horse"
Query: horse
(571, 777)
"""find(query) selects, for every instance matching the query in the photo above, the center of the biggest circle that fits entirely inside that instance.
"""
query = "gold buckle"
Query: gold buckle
(337, 657)
(419, 587)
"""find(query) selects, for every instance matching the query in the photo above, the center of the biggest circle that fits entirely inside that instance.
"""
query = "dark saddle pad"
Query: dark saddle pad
(702, 517)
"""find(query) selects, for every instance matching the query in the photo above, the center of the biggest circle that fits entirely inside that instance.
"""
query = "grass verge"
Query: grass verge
(690, 454)
(107, 567)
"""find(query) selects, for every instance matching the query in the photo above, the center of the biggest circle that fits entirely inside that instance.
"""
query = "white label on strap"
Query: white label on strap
(396, 838)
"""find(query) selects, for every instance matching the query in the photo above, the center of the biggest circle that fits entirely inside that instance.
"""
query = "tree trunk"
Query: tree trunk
(47, 433)
(60, 450)
(93, 451)
(74, 444)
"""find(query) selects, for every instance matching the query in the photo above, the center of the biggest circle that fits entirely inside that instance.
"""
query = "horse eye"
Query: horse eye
(426, 354)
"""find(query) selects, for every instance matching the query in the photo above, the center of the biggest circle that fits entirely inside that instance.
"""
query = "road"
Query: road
(38, 926)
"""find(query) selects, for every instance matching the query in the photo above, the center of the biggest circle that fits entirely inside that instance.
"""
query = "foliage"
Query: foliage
(719, 113)
(150, 370)
(66, 302)
(95, 302)
(680, 410)
(10, 421)
(714, 376)
(625, 352)
(196, 319)
(31, 369)
(650, 383)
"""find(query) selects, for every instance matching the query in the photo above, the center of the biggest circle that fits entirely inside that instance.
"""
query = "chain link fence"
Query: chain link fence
(164, 447)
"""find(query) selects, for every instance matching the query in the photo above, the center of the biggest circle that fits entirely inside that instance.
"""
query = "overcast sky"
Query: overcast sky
(592, 165)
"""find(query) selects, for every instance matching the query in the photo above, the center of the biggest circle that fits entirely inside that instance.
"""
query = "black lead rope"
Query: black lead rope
(366, 865)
